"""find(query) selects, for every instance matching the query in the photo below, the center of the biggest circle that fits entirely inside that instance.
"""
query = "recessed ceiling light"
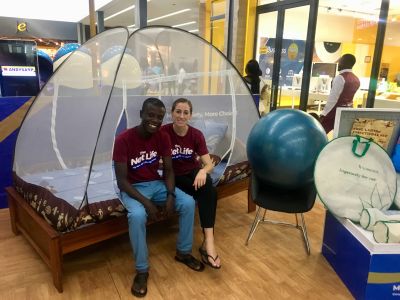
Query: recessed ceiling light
(120, 12)
(169, 15)
(184, 24)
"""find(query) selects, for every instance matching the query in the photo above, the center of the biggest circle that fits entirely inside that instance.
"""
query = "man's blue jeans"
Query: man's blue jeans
(137, 218)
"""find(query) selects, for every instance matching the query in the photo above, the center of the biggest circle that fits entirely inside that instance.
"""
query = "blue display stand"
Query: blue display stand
(8, 106)
(368, 269)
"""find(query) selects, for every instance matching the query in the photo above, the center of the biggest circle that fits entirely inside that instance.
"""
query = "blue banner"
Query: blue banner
(292, 59)
(8, 106)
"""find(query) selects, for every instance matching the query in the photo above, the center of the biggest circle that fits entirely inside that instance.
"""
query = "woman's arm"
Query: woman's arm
(207, 163)
(201, 176)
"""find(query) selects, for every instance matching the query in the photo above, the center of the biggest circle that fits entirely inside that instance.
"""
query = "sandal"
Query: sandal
(205, 258)
(139, 286)
(190, 261)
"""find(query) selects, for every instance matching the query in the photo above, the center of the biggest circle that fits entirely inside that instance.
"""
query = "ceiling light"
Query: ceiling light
(169, 15)
(120, 12)
(184, 24)
(194, 30)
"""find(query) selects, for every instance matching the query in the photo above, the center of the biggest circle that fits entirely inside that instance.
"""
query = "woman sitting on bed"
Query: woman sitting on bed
(192, 176)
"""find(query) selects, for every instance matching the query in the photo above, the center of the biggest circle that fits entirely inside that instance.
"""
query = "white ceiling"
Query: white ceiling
(78, 10)
(155, 9)
(67, 10)
(356, 8)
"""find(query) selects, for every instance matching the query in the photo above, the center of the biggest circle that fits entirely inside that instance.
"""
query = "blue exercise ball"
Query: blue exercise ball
(45, 67)
(282, 147)
(43, 55)
(67, 48)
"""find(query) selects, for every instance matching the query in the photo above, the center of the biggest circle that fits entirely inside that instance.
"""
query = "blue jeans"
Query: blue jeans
(137, 217)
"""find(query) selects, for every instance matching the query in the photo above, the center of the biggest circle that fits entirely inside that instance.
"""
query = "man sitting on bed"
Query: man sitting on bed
(136, 156)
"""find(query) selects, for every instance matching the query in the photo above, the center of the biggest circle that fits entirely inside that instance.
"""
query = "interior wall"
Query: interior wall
(365, 32)
(334, 29)
(39, 28)
(329, 28)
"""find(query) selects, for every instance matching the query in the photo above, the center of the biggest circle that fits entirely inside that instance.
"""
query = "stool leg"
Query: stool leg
(305, 236)
(254, 225)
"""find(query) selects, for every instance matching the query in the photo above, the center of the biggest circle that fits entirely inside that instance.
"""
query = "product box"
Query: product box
(369, 270)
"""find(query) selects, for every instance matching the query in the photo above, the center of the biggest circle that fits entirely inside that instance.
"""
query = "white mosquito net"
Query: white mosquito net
(66, 140)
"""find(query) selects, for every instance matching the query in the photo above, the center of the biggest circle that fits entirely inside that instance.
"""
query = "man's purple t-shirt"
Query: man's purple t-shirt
(141, 155)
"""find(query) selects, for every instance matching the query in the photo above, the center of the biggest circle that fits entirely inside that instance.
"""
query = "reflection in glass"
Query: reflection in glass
(341, 29)
(389, 75)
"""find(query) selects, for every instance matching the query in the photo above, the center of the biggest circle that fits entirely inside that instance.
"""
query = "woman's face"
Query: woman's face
(181, 114)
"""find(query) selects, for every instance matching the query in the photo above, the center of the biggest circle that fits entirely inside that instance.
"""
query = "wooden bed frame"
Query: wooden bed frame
(51, 245)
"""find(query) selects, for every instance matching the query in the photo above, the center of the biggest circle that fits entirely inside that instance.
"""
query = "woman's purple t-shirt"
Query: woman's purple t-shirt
(186, 149)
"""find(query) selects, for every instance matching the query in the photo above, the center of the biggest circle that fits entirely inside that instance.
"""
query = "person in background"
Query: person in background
(192, 175)
(397, 79)
(171, 83)
(252, 78)
(136, 156)
(344, 87)
(181, 79)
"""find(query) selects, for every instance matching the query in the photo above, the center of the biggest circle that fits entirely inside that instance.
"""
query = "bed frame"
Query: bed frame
(51, 245)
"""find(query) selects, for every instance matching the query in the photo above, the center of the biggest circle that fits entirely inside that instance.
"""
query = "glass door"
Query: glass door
(282, 31)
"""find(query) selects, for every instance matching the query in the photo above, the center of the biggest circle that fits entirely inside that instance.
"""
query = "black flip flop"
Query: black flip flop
(139, 286)
(190, 261)
(205, 256)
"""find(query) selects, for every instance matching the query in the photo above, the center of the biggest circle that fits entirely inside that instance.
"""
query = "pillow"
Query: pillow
(213, 132)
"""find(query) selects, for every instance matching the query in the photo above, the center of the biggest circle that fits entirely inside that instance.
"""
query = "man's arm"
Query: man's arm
(337, 89)
(169, 178)
(121, 172)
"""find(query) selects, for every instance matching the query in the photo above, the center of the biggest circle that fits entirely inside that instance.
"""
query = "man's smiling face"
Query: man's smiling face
(152, 117)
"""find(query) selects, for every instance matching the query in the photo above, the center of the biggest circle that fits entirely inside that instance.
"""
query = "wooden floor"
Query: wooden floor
(274, 265)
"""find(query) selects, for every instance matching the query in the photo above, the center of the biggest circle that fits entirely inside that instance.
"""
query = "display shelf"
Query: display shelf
(368, 269)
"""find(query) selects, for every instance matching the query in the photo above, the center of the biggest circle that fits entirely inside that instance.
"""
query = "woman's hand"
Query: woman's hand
(200, 179)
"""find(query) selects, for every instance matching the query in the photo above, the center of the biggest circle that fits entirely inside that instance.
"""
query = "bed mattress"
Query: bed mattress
(59, 196)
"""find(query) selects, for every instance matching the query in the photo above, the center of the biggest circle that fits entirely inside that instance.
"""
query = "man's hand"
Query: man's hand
(152, 211)
(170, 205)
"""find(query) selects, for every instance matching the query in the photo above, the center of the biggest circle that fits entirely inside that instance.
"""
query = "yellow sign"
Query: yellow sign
(263, 50)
(293, 50)
(21, 27)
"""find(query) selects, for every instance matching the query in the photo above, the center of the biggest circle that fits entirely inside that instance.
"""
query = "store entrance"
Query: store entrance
(282, 48)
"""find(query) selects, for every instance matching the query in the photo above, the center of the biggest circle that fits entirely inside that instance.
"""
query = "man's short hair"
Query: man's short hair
(152, 101)
(349, 60)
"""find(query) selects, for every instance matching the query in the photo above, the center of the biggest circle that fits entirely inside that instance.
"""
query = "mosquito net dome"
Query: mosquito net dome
(66, 140)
